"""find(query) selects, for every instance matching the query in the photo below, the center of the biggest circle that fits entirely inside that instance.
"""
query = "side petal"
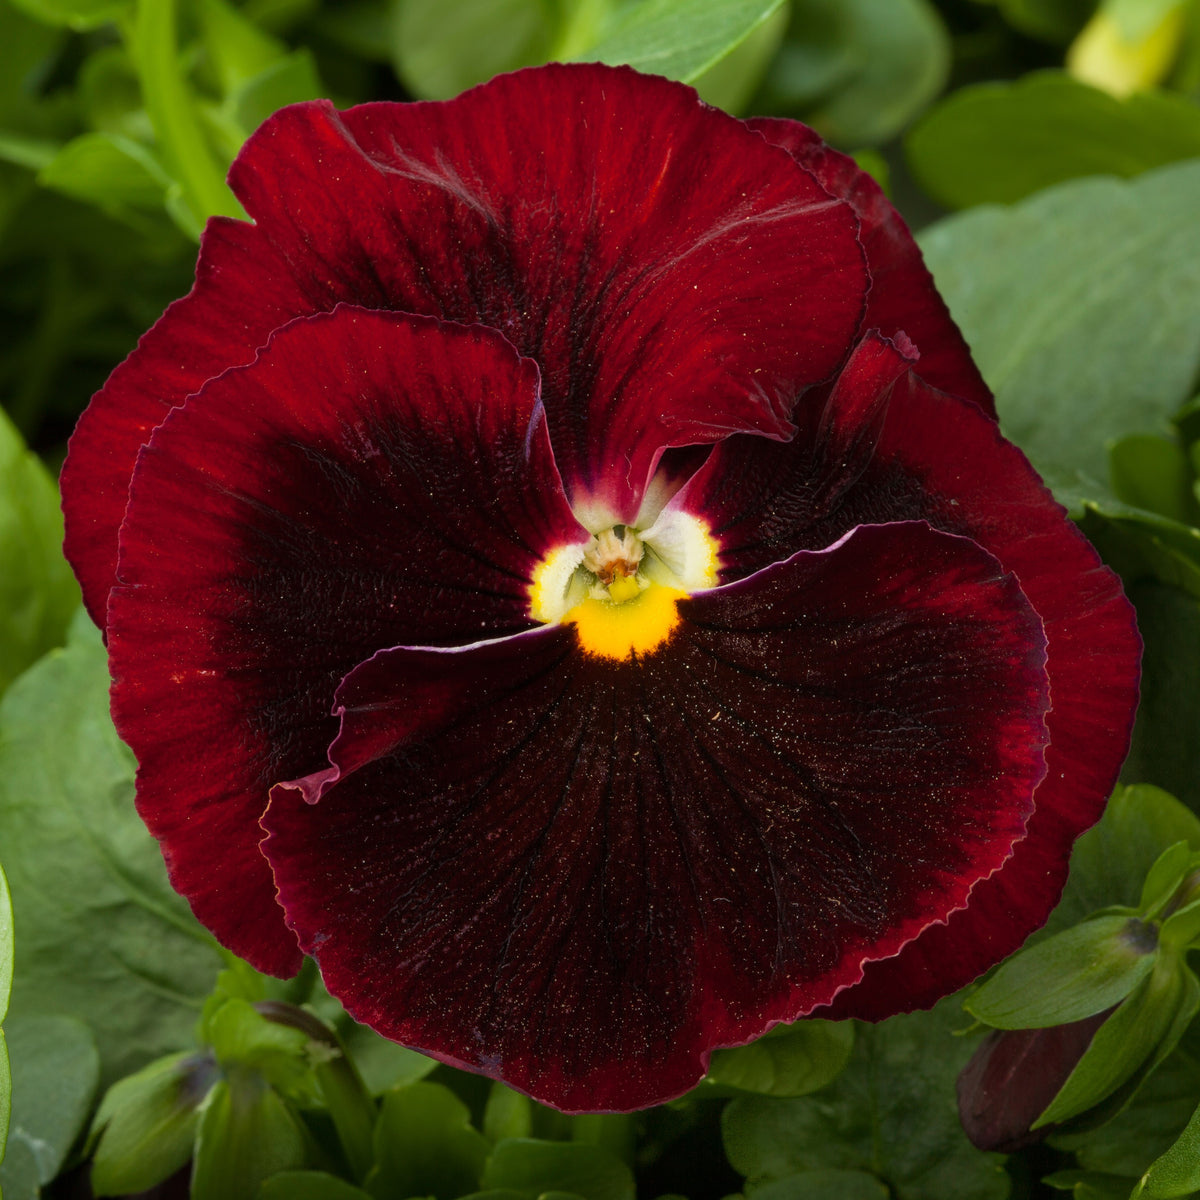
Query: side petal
(370, 478)
(938, 459)
(581, 874)
(903, 296)
(674, 277)
(242, 292)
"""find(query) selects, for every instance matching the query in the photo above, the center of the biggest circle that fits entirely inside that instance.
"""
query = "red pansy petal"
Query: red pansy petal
(242, 292)
(581, 874)
(903, 296)
(940, 460)
(371, 478)
(674, 277)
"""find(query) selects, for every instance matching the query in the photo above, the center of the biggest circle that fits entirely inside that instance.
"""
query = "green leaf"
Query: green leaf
(681, 39)
(107, 170)
(247, 1133)
(1157, 1114)
(533, 1168)
(147, 1123)
(309, 1185)
(78, 14)
(1067, 977)
(237, 48)
(1124, 1043)
(1139, 544)
(286, 81)
(821, 1185)
(1166, 736)
(1177, 1172)
(103, 936)
(1053, 20)
(1082, 306)
(1152, 472)
(425, 1145)
(858, 70)
(890, 1114)
(383, 1064)
(54, 1072)
(199, 176)
(1163, 878)
(38, 593)
(508, 1114)
(1181, 929)
(6, 968)
(791, 1060)
(996, 143)
(439, 49)
(732, 81)
(241, 1037)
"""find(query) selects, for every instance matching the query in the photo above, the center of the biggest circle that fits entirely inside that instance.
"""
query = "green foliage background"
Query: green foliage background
(1060, 220)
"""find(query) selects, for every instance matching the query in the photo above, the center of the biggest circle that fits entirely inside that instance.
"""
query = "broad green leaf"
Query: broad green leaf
(247, 1133)
(996, 143)
(1150, 471)
(1053, 20)
(534, 1167)
(1082, 306)
(309, 1185)
(237, 48)
(77, 14)
(1166, 736)
(110, 97)
(425, 1145)
(508, 1114)
(733, 80)
(38, 594)
(286, 81)
(821, 1185)
(1123, 1044)
(107, 170)
(54, 1073)
(241, 1037)
(1112, 859)
(791, 1060)
(6, 965)
(681, 39)
(858, 71)
(147, 1123)
(103, 936)
(890, 1114)
(1177, 1172)
(1067, 977)
(383, 1064)
(1139, 544)
(439, 49)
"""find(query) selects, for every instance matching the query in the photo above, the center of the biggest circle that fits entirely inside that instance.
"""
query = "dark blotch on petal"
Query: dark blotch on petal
(371, 479)
(581, 874)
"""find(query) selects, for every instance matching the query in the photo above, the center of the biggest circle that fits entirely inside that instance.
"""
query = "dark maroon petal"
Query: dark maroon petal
(673, 277)
(370, 478)
(580, 873)
(242, 292)
(1012, 1077)
(939, 460)
(903, 296)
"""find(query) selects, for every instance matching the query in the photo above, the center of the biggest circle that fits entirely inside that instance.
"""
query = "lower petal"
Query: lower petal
(580, 874)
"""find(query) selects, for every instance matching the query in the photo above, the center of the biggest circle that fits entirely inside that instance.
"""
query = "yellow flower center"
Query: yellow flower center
(620, 590)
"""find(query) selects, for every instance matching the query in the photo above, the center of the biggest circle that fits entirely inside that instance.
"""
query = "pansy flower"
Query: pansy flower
(561, 569)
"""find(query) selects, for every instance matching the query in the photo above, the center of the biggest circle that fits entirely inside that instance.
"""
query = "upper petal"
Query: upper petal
(674, 277)
(903, 296)
(371, 477)
(580, 874)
